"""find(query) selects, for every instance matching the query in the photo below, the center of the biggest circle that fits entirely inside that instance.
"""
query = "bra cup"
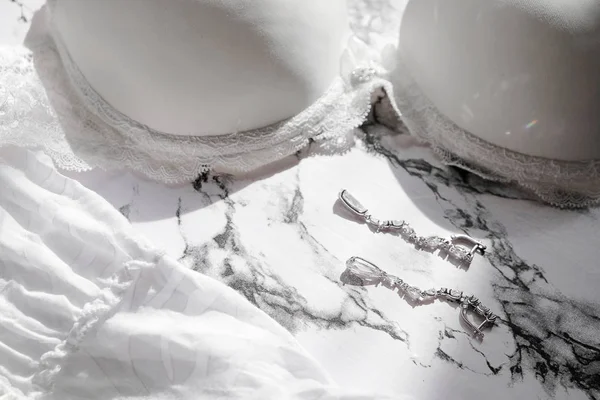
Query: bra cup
(205, 67)
(522, 75)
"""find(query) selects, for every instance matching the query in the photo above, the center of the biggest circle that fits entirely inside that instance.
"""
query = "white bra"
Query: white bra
(507, 89)
(461, 82)
(264, 81)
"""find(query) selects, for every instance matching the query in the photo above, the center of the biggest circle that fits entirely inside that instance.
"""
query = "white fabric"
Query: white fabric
(523, 75)
(90, 311)
(46, 102)
(205, 67)
(558, 182)
(562, 184)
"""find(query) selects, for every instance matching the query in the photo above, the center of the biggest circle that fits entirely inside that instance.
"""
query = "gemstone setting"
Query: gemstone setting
(352, 203)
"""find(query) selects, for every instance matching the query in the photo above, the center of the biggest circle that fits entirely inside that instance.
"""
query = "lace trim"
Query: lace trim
(93, 314)
(46, 102)
(26, 118)
(563, 184)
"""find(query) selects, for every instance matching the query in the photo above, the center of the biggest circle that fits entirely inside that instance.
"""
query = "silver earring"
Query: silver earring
(360, 272)
(461, 248)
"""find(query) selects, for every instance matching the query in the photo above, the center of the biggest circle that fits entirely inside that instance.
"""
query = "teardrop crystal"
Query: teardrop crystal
(351, 202)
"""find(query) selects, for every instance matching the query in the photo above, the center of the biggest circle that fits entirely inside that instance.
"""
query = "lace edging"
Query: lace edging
(93, 314)
(24, 107)
(45, 102)
(562, 184)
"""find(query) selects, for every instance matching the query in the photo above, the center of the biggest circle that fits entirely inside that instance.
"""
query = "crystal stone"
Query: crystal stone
(459, 253)
(351, 202)
(431, 242)
(413, 293)
(408, 231)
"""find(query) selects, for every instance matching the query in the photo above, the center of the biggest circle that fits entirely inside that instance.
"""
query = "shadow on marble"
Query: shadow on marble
(555, 333)
(120, 188)
(413, 165)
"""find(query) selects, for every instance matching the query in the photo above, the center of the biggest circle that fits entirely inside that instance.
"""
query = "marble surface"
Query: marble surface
(280, 238)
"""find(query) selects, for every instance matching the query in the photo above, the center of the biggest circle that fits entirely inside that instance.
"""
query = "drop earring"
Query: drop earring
(360, 272)
(461, 248)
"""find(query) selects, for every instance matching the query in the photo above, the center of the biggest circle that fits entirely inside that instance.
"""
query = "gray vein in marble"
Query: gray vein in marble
(520, 287)
(556, 337)
(449, 333)
(26, 12)
(264, 288)
(522, 290)
(125, 210)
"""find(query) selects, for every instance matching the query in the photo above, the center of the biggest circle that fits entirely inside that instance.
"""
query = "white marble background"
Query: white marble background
(279, 238)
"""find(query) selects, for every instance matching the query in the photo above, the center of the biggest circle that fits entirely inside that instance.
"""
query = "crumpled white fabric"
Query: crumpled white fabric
(88, 310)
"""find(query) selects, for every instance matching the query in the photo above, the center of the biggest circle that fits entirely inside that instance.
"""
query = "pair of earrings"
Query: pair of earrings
(461, 248)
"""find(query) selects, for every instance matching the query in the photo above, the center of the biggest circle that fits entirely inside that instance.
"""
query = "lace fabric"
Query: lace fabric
(558, 183)
(563, 184)
(46, 102)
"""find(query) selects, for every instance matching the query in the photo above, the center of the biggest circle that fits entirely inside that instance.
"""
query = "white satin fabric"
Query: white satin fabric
(507, 89)
(520, 74)
(88, 310)
(47, 102)
(205, 67)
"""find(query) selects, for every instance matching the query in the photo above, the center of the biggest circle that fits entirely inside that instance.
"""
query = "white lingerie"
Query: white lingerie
(45, 101)
(89, 310)
(507, 89)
